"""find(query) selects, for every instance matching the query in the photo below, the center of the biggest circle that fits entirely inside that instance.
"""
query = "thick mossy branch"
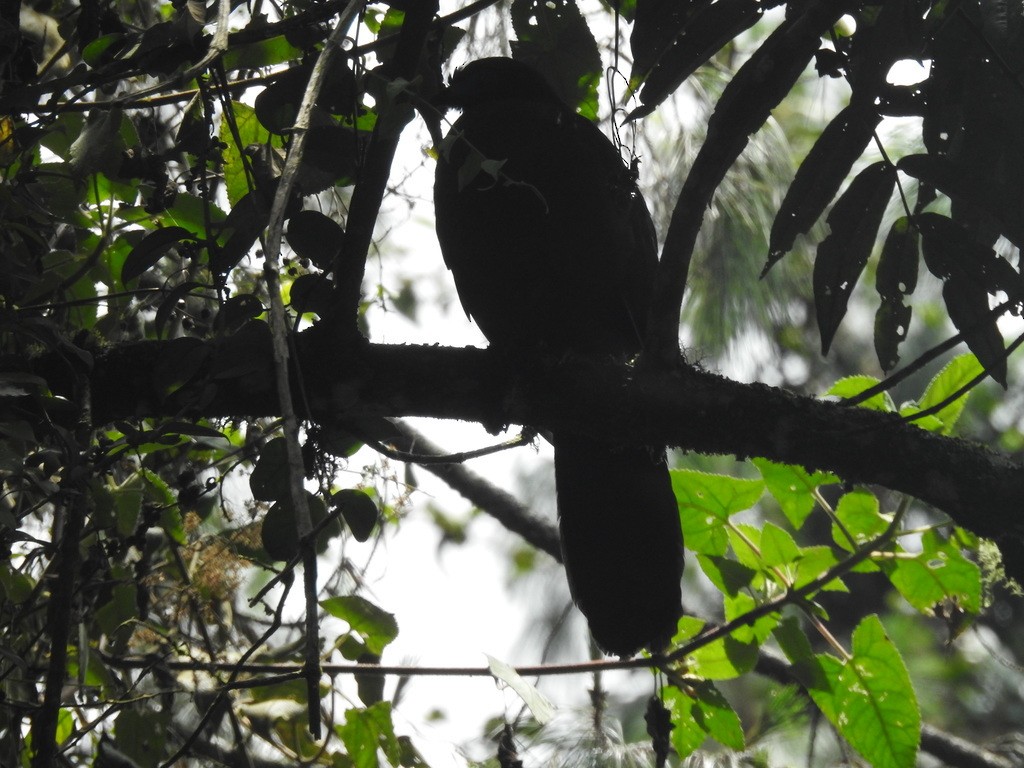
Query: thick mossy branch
(690, 409)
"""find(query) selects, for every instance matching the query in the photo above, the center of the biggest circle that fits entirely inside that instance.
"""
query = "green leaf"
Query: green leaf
(777, 547)
(264, 53)
(687, 629)
(705, 503)
(814, 672)
(367, 730)
(875, 701)
(250, 131)
(715, 716)
(755, 633)
(850, 386)
(668, 56)
(814, 562)
(859, 514)
(541, 707)
(699, 712)
(15, 586)
(687, 734)
(939, 572)
(127, 499)
(746, 543)
(113, 616)
(376, 626)
(827, 681)
(954, 375)
(724, 659)
(793, 487)
(728, 576)
(280, 532)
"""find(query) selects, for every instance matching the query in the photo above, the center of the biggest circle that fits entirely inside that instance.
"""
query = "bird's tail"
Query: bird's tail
(621, 542)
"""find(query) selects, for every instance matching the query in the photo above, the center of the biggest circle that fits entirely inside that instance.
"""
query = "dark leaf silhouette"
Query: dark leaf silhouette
(554, 37)
(682, 51)
(316, 237)
(896, 278)
(951, 253)
(820, 175)
(968, 308)
(970, 189)
(854, 222)
(151, 249)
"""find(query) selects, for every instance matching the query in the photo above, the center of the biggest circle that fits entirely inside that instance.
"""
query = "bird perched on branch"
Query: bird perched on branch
(553, 252)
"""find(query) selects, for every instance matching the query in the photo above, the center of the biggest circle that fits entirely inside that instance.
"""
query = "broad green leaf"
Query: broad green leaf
(375, 625)
(777, 547)
(250, 131)
(728, 575)
(876, 708)
(746, 543)
(667, 56)
(955, 374)
(724, 659)
(851, 386)
(15, 586)
(816, 673)
(939, 572)
(827, 682)
(687, 629)
(793, 486)
(65, 725)
(188, 211)
(705, 503)
(541, 707)
(860, 517)
(757, 633)
(280, 532)
(264, 53)
(127, 504)
(716, 717)
(367, 730)
(687, 734)
(814, 563)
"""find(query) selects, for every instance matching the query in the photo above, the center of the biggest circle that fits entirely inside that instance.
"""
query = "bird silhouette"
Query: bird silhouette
(553, 252)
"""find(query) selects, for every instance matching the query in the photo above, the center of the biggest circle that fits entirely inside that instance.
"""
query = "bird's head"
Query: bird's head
(494, 79)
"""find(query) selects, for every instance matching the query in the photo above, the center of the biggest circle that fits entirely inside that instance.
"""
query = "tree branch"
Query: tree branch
(499, 504)
(689, 408)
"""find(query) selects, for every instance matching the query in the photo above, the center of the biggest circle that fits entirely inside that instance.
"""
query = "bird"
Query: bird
(553, 252)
